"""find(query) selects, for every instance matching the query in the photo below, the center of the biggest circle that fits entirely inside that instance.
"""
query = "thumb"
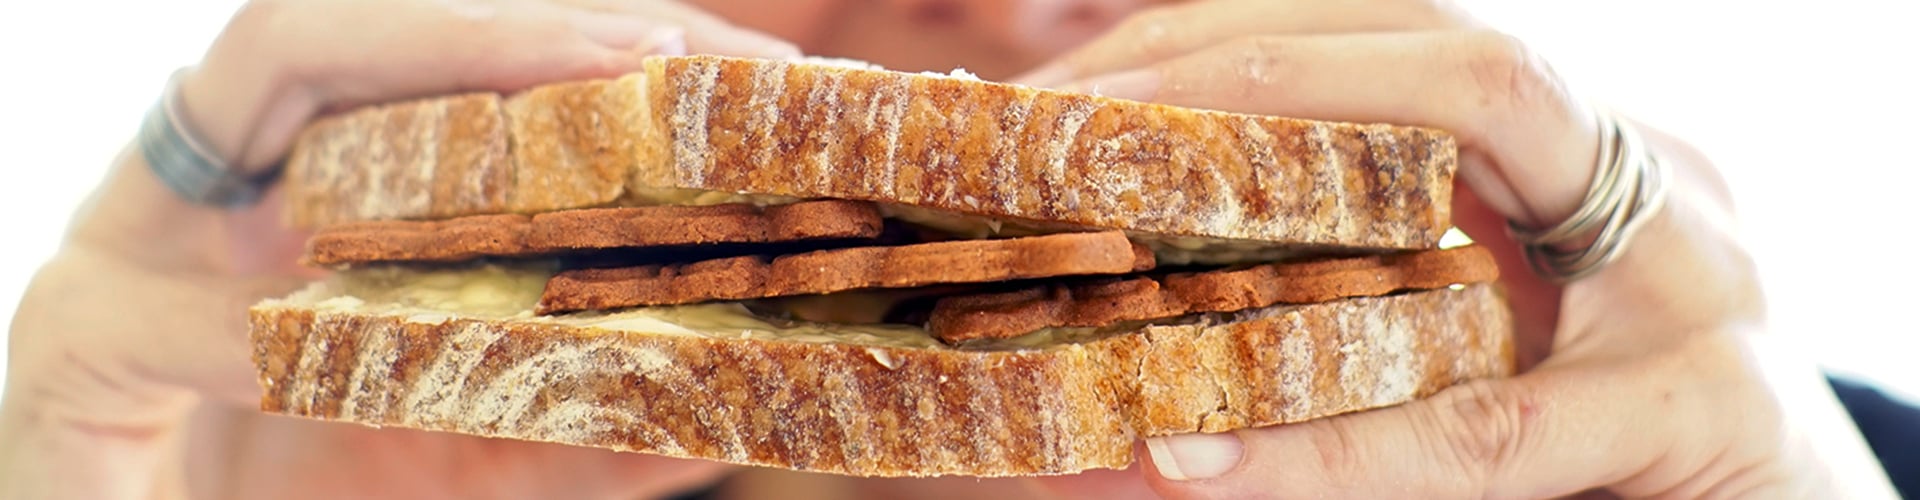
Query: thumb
(1545, 434)
(259, 242)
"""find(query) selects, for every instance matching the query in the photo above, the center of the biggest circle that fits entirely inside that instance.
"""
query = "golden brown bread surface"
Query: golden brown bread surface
(948, 144)
(432, 158)
(870, 410)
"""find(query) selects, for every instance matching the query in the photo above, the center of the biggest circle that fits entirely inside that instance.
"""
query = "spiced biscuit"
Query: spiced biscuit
(966, 318)
(513, 235)
(843, 269)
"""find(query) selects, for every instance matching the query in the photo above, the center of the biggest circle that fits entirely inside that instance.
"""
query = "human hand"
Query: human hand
(1655, 377)
(138, 323)
(280, 63)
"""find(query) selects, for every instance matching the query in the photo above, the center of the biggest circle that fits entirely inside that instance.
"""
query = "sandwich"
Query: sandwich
(827, 266)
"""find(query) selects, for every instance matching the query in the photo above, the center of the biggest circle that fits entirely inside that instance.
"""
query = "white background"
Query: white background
(1809, 107)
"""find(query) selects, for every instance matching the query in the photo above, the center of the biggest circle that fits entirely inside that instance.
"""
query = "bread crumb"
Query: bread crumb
(881, 356)
(840, 62)
(955, 73)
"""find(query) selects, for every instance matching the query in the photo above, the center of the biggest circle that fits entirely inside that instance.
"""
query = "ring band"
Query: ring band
(1629, 185)
(190, 168)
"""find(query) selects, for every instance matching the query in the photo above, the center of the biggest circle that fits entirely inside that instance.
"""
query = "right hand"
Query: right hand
(1657, 376)
(97, 403)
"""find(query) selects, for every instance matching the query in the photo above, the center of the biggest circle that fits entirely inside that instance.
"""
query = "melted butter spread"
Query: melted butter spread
(510, 291)
(686, 197)
(490, 291)
(502, 291)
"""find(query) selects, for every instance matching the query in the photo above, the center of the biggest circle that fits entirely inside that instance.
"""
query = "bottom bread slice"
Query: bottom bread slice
(868, 408)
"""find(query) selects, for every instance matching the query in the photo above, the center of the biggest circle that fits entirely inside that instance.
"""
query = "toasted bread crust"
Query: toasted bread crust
(876, 411)
(809, 131)
(420, 159)
(562, 158)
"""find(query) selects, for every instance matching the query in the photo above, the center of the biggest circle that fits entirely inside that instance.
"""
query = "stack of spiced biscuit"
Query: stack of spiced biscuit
(620, 258)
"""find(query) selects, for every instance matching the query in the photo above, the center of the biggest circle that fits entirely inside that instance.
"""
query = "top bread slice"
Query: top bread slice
(702, 129)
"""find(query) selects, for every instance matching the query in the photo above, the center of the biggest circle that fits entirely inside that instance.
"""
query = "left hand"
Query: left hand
(1653, 378)
(129, 370)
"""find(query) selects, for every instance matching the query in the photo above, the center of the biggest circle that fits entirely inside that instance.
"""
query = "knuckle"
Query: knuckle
(1334, 446)
(1150, 19)
(1259, 49)
(1148, 33)
(1423, 5)
(1508, 75)
(263, 16)
(1254, 63)
(486, 22)
(1434, 13)
(1482, 426)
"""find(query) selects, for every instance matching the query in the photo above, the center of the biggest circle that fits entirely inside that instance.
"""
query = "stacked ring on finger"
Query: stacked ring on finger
(1629, 185)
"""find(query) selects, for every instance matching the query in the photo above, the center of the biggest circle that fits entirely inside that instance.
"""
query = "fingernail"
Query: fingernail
(743, 43)
(666, 42)
(777, 49)
(1194, 456)
(619, 32)
(1046, 76)
(1136, 85)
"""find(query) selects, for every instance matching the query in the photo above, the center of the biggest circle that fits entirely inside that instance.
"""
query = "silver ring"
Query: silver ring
(187, 165)
(1629, 185)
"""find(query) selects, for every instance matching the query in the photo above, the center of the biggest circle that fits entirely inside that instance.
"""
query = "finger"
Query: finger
(1534, 301)
(1170, 31)
(260, 243)
(727, 40)
(1039, 26)
(706, 33)
(181, 333)
(364, 462)
(629, 33)
(597, 473)
(1486, 88)
(1127, 484)
(501, 48)
(601, 45)
(1543, 435)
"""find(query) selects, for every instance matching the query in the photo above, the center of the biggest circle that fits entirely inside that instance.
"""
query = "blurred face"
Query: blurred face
(995, 38)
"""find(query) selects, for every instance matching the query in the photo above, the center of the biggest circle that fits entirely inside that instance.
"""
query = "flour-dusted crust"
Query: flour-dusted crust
(958, 145)
(422, 159)
(563, 155)
(875, 411)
